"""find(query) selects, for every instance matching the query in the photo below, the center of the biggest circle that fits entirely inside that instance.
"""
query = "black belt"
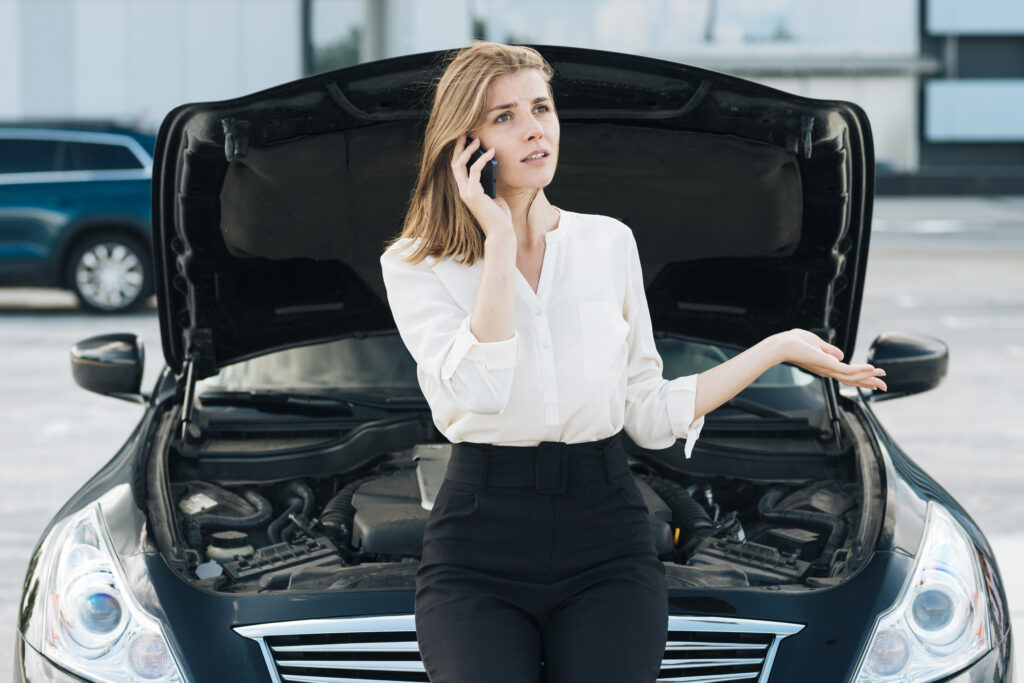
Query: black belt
(544, 467)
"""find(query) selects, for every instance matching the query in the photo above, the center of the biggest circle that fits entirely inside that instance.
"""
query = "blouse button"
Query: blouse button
(538, 312)
(545, 343)
(551, 380)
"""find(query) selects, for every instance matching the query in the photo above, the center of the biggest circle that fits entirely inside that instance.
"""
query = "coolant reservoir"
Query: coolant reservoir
(227, 545)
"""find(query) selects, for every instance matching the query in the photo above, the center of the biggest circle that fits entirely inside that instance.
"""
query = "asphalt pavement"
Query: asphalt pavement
(949, 267)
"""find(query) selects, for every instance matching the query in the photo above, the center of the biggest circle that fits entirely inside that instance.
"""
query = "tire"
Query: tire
(110, 273)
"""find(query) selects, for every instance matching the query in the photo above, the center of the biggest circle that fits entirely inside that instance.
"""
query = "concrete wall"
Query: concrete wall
(135, 60)
(10, 60)
(403, 27)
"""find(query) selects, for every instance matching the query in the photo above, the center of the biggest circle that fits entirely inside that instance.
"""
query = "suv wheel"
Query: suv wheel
(110, 273)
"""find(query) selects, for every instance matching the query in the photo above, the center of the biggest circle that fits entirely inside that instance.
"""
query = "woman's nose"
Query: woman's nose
(533, 127)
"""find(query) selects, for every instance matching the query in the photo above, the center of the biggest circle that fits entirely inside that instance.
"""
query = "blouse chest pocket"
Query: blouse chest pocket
(604, 338)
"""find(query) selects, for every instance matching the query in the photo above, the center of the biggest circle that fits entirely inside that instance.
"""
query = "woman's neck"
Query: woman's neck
(532, 217)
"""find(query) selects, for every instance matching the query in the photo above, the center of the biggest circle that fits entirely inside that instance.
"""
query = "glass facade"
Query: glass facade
(980, 17)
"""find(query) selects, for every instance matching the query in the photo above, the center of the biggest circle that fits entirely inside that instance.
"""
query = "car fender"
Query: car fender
(115, 475)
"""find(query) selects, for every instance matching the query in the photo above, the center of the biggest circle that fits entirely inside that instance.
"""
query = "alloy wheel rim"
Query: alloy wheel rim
(109, 275)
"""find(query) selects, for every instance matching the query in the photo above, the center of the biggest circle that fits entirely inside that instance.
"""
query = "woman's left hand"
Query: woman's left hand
(812, 353)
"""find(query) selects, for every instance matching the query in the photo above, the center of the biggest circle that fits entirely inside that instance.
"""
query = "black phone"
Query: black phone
(488, 174)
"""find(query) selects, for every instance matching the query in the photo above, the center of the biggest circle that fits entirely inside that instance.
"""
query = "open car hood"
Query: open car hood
(751, 207)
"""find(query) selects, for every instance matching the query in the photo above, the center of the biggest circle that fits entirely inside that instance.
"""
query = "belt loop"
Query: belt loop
(550, 467)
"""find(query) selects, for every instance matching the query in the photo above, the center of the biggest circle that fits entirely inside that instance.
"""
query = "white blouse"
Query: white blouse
(581, 364)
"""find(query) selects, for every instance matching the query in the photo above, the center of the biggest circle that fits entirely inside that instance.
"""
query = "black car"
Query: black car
(264, 520)
(75, 210)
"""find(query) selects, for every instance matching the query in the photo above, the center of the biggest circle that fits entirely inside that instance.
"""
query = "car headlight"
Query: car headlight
(940, 622)
(94, 626)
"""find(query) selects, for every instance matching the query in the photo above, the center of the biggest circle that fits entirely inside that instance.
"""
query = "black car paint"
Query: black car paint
(200, 621)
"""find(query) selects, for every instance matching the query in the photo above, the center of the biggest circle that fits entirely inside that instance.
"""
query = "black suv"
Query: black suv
(75, 211)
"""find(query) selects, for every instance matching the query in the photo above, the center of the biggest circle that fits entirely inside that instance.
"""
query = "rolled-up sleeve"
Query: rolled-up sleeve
(452, 364)
(658, 411)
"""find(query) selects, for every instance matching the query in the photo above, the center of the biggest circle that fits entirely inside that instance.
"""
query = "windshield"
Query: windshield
(381, 364)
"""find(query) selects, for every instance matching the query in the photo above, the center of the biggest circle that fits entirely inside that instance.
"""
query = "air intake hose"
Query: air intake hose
(197, 524)
(687, 514)
(338, 514)
(299, 500)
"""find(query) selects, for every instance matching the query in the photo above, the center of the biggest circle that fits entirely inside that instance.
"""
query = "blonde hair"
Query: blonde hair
(436, 212)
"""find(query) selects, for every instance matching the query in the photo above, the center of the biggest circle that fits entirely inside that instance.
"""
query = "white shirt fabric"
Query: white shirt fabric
(581, 364)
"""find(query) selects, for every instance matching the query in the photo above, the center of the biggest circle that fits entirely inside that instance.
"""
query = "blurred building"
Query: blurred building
(941, 80)
(133, 61)
(972, 125)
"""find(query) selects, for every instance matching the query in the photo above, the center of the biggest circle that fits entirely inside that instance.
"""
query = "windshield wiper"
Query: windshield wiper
(760, 418)
(332, 404)
(754, 408)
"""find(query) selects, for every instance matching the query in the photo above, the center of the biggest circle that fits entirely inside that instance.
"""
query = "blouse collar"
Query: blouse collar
(559, 232)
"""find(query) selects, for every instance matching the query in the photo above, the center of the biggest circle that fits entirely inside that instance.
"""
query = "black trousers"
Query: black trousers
(539, 564)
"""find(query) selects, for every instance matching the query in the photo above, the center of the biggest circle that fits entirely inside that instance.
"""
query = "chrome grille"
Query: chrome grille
(384, 649)
(714, 649)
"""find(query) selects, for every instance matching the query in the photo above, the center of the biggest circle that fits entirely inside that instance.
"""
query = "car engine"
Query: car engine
(365, 528)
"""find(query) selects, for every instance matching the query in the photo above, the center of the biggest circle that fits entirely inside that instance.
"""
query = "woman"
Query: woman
(534, 348)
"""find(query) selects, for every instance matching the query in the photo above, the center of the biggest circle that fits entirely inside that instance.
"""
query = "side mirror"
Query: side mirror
(912, 362)
(111, 365)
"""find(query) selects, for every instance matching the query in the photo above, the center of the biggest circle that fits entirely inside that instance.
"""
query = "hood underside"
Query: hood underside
(751, 207)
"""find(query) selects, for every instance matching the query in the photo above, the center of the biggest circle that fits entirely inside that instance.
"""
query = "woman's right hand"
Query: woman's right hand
(493, 215)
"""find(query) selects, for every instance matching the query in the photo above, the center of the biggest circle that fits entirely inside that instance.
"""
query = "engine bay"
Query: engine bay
(363, 528)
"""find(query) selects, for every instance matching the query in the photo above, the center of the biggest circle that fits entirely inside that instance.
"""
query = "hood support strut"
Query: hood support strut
(199, 358)
(188, 403)
(832, 400)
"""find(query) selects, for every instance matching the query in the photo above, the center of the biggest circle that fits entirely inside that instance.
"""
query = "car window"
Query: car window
(29, 156)
(382, 362)
(683, 357)
(351, 364)
(91, 156)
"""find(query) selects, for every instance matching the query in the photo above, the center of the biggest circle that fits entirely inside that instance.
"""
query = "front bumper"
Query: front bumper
(32, 667)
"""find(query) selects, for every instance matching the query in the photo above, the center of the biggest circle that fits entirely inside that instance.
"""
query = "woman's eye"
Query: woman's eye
(543, 108)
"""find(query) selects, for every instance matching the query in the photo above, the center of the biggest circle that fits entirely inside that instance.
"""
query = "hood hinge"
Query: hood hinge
(199, 361)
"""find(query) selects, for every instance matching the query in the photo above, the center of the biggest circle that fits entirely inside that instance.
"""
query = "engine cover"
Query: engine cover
(390, 517)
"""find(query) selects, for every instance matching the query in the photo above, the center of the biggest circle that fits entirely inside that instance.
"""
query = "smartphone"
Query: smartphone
(488, 174)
